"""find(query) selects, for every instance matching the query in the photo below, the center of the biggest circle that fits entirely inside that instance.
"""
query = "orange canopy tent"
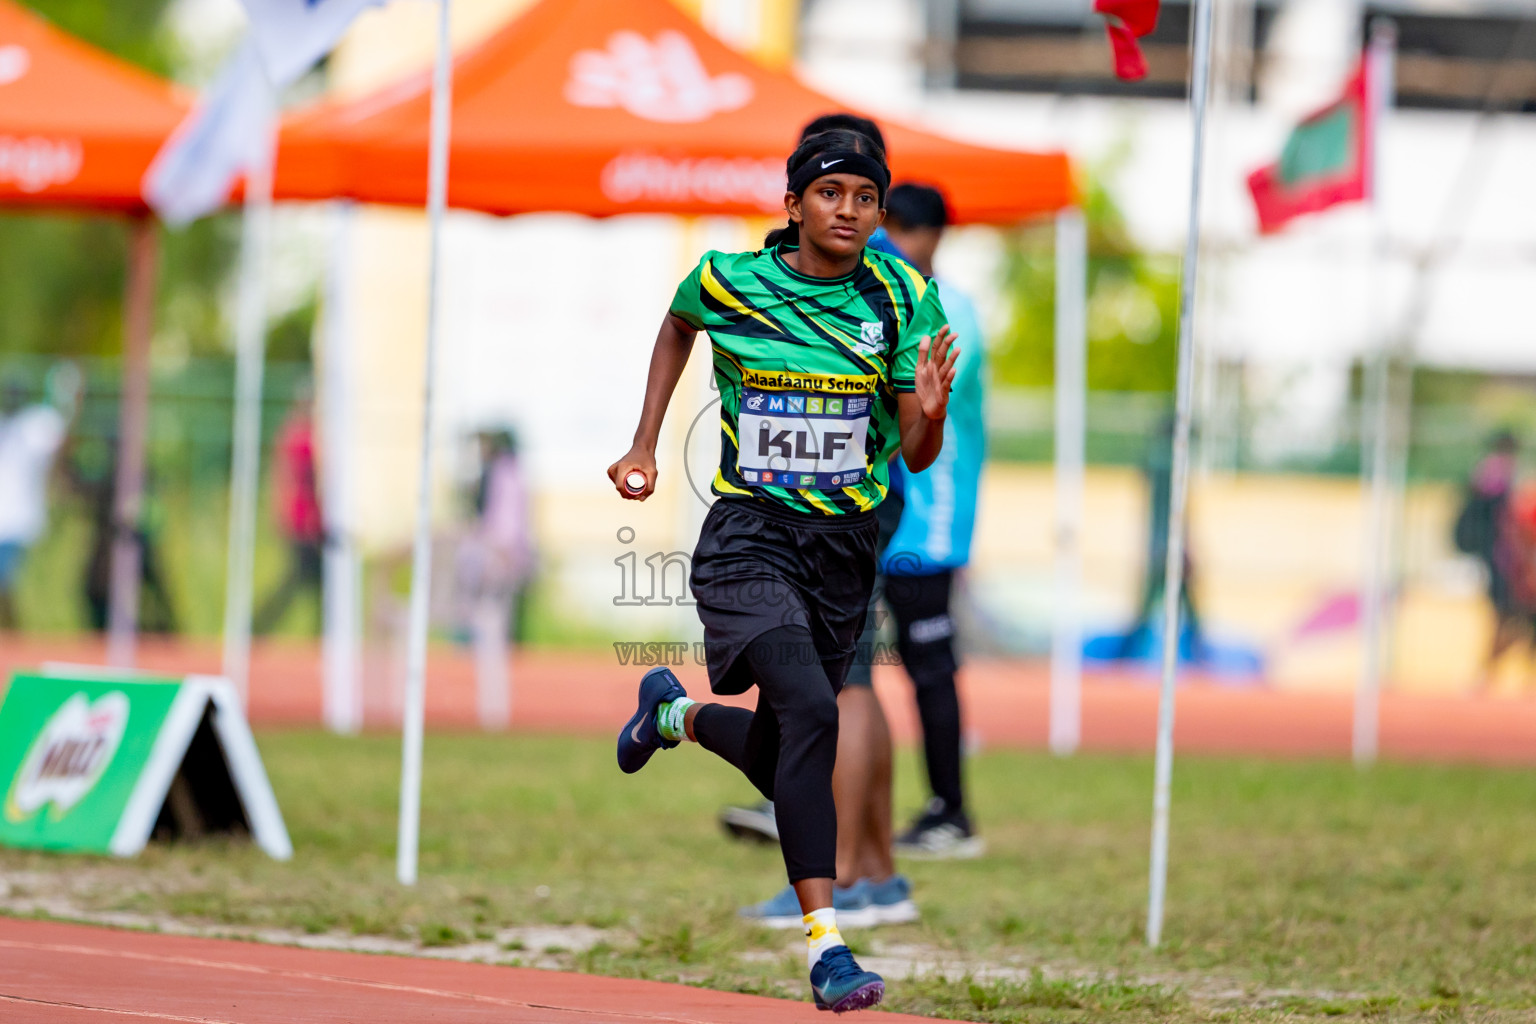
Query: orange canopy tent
(78, 127)
(605, 107)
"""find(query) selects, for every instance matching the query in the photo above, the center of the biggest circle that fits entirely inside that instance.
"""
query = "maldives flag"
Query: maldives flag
(1127, 21)
(1326, 161)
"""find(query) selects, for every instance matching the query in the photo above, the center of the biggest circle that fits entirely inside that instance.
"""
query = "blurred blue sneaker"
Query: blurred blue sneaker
(839, 984)
(783, 910)
(640, 737)
(890, 901)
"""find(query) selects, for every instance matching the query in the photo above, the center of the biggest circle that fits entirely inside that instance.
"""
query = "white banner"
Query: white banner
(292, 35)
(231, 125)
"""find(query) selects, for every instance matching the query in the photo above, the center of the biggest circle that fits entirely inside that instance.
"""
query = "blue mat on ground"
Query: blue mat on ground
(1235, 662)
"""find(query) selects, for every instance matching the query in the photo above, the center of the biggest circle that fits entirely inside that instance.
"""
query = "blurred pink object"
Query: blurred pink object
(1337, 612)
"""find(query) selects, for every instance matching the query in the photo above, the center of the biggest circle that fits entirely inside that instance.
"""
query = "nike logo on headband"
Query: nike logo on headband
(828, 163)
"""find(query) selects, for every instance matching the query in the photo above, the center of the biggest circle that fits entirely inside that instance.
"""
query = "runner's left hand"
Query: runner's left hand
(936, 372)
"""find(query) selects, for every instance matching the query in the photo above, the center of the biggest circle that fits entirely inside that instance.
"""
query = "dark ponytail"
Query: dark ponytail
(812, 145)
(789, 234)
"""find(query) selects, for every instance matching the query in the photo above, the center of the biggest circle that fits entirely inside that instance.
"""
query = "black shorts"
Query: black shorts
(759, 567)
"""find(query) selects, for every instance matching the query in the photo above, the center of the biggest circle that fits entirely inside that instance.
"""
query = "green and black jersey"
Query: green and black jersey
(808, 370)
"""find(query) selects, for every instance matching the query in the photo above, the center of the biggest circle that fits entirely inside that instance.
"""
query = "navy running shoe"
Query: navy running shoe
(641, 737)
(840, 984)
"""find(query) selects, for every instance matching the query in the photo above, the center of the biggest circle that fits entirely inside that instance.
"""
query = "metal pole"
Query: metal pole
(421, 562)
(1066, 717)
(1367, 723)
(245, 454)
(341, 691)
(133, 439)
(1173, 579)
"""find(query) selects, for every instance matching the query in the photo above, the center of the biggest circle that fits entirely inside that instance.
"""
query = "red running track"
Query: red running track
(1005, 703)
(54, 973)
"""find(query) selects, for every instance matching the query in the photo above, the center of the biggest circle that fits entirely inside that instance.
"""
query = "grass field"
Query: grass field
(1298, 891)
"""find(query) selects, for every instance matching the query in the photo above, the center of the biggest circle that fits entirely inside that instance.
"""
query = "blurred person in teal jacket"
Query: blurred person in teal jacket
(933, 540)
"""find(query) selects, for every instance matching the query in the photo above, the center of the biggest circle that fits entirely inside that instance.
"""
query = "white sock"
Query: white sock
(821, 934)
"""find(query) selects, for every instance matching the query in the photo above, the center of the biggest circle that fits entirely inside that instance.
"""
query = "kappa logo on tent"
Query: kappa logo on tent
(662, 80)
(69, 755)
(15, 62)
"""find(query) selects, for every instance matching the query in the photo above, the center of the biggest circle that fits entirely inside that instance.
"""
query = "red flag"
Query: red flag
(1126, 21)
(1326, 161)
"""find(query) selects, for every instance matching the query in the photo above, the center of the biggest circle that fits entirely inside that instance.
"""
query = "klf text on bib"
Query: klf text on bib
(803, 430)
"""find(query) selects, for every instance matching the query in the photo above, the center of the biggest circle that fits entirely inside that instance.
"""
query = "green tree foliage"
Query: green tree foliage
(1133, 300)
(130, 29)
(61, 281)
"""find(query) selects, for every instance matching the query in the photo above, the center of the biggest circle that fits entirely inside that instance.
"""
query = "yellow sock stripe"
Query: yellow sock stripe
(816, 931)
(707, 277)
(889, 290)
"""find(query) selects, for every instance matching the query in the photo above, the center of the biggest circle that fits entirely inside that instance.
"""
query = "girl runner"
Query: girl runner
(829, 357)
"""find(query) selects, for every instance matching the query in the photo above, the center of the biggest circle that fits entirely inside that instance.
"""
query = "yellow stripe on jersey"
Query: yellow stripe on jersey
(816, 500)
(790, 380)
(847, 340)
(729, 358)
(715, 288)
(858, 496)
(729, 432)
(919, 286)
(889, 290)
(724, 485)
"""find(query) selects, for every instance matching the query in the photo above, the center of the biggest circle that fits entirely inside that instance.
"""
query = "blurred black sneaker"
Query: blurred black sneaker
(940, 834)
(753, 824)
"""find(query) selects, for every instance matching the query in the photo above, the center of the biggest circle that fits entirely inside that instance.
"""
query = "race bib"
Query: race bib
(802, 438)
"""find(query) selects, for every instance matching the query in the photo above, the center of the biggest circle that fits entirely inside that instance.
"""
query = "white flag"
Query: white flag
(292, 35)
(231, 126)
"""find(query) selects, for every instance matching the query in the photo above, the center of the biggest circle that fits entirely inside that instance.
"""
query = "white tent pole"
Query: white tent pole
(1066, 715)
(341, 691)
(1173, 579)
(421, 562)
(132, 443)
(245, 458)
(1367, 722)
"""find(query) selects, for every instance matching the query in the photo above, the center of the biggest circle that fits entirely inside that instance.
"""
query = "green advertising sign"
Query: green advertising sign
(96, 762)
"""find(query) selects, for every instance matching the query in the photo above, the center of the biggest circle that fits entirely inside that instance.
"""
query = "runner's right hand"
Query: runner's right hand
(634, 461)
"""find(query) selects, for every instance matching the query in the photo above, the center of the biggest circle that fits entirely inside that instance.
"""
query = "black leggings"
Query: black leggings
(787, 747)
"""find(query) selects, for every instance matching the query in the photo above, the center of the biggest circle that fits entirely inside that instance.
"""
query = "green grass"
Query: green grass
(1298, 891)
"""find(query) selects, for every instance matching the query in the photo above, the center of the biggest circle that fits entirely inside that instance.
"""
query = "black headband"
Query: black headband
(841, 161)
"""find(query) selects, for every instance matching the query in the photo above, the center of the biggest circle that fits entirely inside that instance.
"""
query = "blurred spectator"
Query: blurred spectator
(1516, 556)
(296, 501)
(933, 542)
(93, 471)
(1484, 531)
(1157, 467)
(492, 563)
(30, 437)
